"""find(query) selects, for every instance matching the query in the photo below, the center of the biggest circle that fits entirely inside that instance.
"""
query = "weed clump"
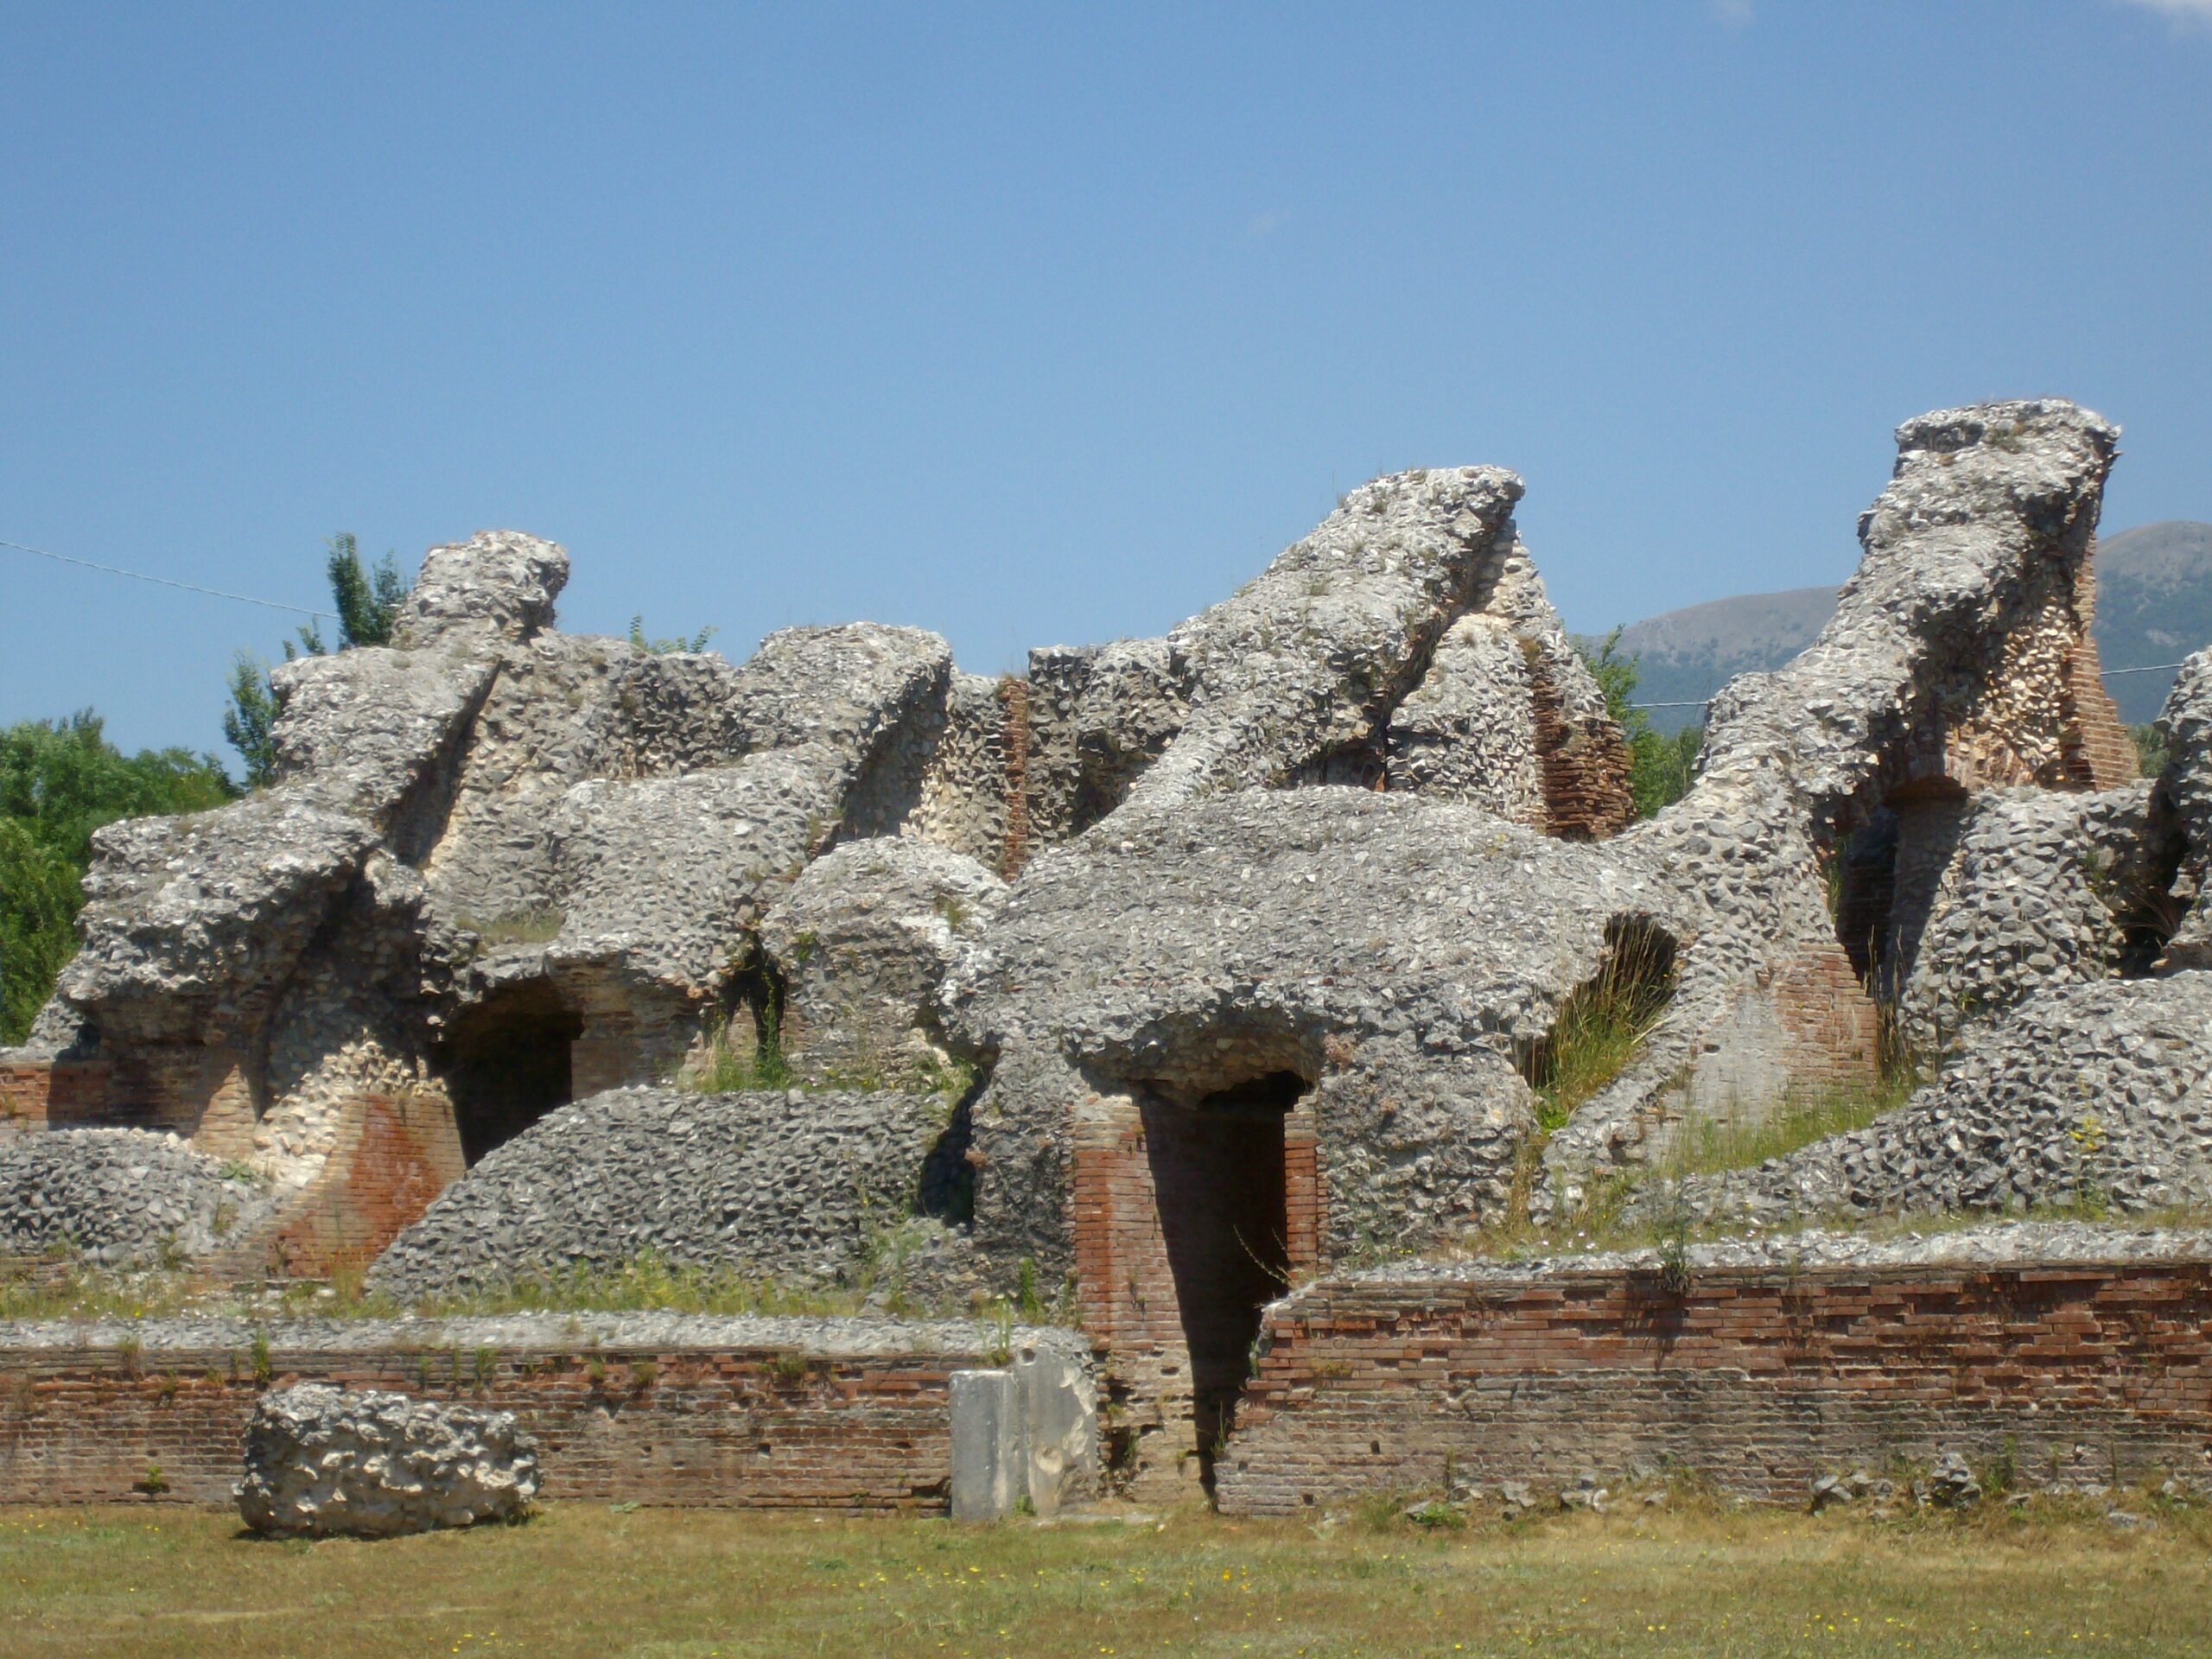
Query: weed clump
(1603, 1022)
(732, 1065)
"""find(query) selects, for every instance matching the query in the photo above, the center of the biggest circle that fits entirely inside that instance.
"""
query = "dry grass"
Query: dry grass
(646, 1283)
(1801, 1118)
(583, 1580)
(1601, 1024)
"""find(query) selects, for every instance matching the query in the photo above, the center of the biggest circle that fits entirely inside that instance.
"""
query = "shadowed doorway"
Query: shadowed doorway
(507, 1063)
(1220, 1180)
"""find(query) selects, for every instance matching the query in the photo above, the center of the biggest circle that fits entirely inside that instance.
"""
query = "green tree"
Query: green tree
(367, 601)
(1661, 768)
(40, 896)
(60, 780)
(667, 648)
(250, 723)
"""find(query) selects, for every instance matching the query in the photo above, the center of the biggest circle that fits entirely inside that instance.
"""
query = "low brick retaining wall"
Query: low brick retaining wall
(1757, 1378)
(772, 1413)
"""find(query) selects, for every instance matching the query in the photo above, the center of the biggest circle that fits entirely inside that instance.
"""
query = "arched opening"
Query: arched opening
(507, 1063)
(1221, 1181)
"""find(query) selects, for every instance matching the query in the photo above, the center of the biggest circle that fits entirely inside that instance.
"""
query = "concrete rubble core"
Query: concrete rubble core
(1174, 972)
(322, 1462)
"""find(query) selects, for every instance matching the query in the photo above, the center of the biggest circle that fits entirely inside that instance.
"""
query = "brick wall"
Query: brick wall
(179, 1086)
(1586, 765)
(1142, 1175)
(48, 1093)
(2099, 754)
(1759, 1380)
(394, 1154)
(739, 1427)
(1833, 1027)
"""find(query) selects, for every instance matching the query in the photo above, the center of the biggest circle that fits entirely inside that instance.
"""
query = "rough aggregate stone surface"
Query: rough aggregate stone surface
(322, 1461)
(2096, 1095)
(119, 1199)
(862, 941)
(1299, 836)
(776, 1183)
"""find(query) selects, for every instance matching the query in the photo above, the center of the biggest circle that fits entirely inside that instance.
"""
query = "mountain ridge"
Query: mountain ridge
(2154, 605)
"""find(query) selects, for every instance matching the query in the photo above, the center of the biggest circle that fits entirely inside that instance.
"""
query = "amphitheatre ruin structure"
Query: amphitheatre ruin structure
(1165, 1047)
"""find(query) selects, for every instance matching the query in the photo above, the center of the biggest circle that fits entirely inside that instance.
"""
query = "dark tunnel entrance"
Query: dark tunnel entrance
(507, 1063)
(1221, 1180)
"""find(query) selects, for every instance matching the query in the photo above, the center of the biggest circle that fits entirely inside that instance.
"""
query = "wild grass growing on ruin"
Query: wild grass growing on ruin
(1712, 1146)
(1602, 1023)
(645, 1284)
(86, 1294)
(648, 1283)
(733, 1065)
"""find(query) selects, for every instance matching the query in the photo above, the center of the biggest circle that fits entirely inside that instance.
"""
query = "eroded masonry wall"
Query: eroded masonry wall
(1173, 1241)
(798, 1423)
(1759, 1380)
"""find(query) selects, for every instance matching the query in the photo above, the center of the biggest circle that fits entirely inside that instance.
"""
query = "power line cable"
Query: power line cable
(2108, 673)
(169, 582)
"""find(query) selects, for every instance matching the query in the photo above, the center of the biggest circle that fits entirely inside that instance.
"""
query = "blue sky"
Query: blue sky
(1042, 325)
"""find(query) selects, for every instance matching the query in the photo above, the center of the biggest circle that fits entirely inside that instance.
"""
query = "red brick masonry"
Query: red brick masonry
(1758, 1379)
(754, 1426)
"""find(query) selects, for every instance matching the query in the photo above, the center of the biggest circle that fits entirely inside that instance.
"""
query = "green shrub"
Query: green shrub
(60, 781)
(669, 647)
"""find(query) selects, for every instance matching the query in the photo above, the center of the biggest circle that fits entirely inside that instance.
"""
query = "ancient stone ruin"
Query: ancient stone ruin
(325, 1462)
(1200, 989)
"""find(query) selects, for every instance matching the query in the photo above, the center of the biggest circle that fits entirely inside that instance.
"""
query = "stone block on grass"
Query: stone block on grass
(321, 1461)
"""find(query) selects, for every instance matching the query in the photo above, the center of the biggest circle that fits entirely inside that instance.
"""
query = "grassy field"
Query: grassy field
(587, 1580)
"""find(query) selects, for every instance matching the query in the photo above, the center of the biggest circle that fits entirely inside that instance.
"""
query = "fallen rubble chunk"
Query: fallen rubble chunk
(321, 1461)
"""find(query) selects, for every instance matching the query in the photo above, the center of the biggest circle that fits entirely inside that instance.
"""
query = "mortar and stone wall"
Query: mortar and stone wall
(2081, 1356)
(841, 1415)
(769, 1185)
(1253, 939)
(1753, 1371)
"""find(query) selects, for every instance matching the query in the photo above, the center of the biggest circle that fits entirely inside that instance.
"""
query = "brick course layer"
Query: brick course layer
(740, 1427)
(1585, 766)
(1758, 1380)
